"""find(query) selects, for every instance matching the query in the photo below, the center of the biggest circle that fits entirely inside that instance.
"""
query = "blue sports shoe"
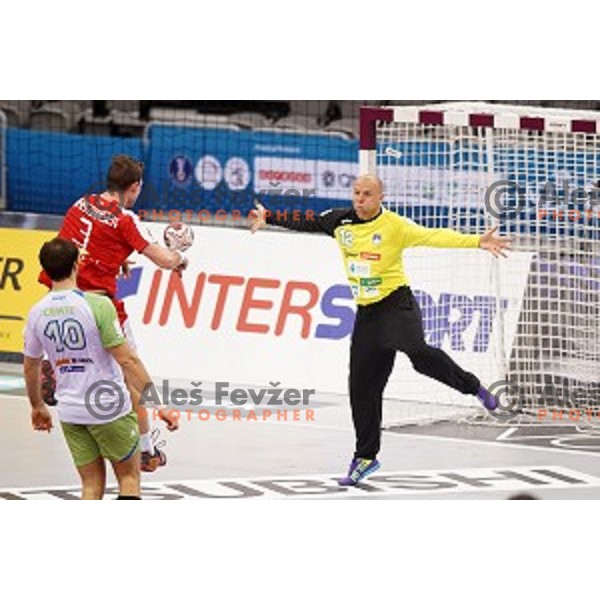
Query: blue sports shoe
(359, 469)
(488, 400)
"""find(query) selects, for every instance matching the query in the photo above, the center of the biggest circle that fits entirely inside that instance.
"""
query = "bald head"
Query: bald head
(372, 180)
(367, 196)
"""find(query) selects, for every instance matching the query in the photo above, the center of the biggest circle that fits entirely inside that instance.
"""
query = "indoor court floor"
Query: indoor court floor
(277, 459)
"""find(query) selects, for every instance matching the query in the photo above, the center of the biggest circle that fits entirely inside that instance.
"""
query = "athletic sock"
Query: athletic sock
(146, 440)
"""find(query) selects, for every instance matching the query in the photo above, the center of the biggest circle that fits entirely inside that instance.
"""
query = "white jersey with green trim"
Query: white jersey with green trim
(74, 329)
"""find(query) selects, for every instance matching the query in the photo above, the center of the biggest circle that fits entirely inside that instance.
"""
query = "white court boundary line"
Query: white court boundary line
(369, 488)
(514, 445)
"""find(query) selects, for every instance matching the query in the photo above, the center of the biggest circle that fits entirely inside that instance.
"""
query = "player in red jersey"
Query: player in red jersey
(107, 232)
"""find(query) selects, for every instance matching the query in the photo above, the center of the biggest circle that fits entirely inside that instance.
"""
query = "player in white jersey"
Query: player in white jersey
(81, 336)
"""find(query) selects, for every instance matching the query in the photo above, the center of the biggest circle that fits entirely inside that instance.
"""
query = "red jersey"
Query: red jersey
(107, 235)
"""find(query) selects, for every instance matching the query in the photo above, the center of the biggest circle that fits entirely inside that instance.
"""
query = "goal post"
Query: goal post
(528, 325)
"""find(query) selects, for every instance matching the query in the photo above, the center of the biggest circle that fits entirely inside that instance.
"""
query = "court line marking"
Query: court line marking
(507, 433)
(441, 438)
(369, 488)
(504, 445)
(513, 445)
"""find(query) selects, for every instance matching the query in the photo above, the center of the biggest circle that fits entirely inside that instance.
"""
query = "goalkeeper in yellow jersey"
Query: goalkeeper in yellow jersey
(388, 318)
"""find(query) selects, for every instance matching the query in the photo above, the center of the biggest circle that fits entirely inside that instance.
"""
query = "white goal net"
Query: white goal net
(528, 325)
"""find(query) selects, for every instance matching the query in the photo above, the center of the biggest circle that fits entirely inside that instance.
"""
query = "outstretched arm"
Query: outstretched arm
(164, 258)
(297, 220)
(415, 235)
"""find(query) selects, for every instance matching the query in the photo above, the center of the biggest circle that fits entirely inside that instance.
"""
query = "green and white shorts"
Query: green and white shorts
(116, 441)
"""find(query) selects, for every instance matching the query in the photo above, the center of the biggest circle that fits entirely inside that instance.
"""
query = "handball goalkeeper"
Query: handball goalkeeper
(388, 318)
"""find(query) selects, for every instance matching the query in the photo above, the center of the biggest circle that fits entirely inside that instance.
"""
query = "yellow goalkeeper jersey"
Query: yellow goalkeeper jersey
(372, 250)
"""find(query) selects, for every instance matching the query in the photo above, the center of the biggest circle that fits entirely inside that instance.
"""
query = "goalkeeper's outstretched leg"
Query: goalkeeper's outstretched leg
(381, 330)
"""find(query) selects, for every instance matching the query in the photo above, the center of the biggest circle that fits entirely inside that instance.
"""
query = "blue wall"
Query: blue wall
(219, 168)
(46, 172)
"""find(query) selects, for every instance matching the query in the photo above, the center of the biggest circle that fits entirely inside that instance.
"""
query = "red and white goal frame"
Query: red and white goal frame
(539, 344)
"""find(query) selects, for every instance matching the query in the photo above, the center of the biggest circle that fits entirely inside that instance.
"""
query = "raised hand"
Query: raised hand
(257, 218)
(493, 243)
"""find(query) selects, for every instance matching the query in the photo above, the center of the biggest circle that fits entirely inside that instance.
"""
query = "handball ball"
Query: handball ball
(178, 236)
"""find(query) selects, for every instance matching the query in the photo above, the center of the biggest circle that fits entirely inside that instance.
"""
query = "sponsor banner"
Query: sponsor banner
(436, 186)
(330, 180)
(208, 172)
(249, 308)
(277, 307)
(218, 168)
(180, 169)
(282, 174)
(395, 484)
(19, 289)
(335, 179)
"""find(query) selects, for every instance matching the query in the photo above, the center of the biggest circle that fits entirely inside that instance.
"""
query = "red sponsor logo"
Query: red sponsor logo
(290, 176)
(297, 304)
(370, 256)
